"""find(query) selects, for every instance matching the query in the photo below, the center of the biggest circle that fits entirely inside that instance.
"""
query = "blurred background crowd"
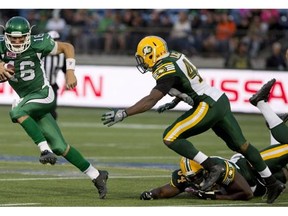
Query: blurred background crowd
(240, 37)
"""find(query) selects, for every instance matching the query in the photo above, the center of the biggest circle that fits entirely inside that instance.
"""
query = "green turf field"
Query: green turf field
(132, 151)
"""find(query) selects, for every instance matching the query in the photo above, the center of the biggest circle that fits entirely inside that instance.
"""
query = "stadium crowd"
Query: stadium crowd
(195, 32)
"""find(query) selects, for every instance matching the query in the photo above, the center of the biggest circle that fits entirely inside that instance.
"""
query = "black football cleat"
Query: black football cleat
(100, 183)
(274, 190)
(47, 157)
(283, 116)
(263, 93)
(215, 173)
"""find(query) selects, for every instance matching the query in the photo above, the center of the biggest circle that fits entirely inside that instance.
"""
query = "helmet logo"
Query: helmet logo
(147, 50)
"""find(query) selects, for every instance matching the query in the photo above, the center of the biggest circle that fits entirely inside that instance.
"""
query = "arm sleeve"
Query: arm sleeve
(165, 84)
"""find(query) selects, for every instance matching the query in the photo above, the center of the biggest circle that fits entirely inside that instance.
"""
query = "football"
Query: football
(11, 67)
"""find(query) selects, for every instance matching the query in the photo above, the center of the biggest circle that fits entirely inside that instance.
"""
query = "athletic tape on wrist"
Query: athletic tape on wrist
(70, 63)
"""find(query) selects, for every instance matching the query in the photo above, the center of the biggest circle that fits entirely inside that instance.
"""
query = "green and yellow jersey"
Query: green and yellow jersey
(186, 78)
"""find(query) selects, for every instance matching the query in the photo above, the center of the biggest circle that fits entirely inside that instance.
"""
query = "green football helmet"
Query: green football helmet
(17, 27)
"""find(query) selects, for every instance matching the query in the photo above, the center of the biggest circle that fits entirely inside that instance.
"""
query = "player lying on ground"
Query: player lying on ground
(177, 76)
(232, 184)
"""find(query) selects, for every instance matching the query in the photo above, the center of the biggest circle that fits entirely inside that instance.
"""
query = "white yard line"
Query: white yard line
(19, 204)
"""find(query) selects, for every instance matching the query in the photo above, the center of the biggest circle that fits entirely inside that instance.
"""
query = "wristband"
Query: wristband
(70, 63)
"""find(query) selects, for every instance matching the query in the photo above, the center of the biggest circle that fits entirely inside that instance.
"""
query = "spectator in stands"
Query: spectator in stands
(240, 59)
(159, 24)
(276, 61)
(57, 23)
(257, 35)
(116, 41)
(181, 34)
(83, 25)
(225, 30)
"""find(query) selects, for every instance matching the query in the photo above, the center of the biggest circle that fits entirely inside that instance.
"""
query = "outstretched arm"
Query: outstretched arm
(117, 115)
(165, 191)
(146, 103)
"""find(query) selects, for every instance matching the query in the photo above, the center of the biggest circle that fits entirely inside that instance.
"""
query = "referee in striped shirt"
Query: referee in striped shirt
(53, 64)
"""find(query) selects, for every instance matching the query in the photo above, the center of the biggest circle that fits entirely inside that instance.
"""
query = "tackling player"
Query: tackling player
(231, 185)
(32, 111)
(176, 75)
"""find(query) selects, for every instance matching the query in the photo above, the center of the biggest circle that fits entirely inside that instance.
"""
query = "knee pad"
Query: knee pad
(16, 113)
(243, 148)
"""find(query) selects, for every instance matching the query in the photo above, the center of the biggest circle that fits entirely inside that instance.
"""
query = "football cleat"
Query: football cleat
(47, 157)
(274, 190)
(263, 93)
(283, 116)
(215, 174)
(100, 183)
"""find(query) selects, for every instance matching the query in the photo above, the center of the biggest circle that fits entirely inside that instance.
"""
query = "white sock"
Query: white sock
(270, 116)
(273, 141)
(200, 157)
(92, 172)
(44, 146)
(265, 173)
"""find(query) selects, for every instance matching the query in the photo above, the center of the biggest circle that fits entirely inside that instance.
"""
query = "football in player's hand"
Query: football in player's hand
(11, 67)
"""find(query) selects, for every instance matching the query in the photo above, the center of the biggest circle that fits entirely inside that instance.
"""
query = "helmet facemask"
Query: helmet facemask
(15, 47)
(141, 65)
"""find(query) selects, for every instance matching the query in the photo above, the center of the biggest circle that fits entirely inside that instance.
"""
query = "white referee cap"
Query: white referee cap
(54, 34)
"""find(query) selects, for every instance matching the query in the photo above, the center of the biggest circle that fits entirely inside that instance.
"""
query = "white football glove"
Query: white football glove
(114, 116)
(167, 106)
(187, 99)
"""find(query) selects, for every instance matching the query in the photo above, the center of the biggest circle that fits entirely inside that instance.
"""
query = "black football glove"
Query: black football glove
(146, 195)
(201, 194)
(114, 116)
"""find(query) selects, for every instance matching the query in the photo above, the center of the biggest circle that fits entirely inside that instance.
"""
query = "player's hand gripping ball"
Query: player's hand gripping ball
(10, 69)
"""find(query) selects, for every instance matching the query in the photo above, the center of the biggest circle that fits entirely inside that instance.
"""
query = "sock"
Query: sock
(92, 172)
(44, 146)
(33, 130)
(184, 148)
(273, 141)
(254, 157)
(75, 158)
(270, 116)
(200, 158)
(267, 179)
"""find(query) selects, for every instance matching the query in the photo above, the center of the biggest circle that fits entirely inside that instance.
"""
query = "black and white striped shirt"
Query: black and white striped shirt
(53, 64)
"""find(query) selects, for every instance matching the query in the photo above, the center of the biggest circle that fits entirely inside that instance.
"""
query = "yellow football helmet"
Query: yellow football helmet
(150, 50)
(192, 171)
